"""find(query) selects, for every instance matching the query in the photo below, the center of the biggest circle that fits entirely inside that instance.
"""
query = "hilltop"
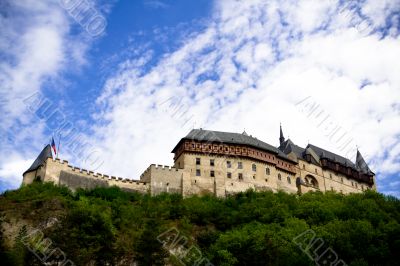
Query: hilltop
(106, 226)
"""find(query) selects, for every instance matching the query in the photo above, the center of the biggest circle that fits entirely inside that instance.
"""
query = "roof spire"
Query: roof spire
(281, 137)
(361, 164)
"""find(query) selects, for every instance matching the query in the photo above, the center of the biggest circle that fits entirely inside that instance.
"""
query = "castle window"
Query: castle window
(254, 167)
(198, 173)
(304, 166)
(197, 161)
(288, 180)
(267, 171)
(279, 177)
(228, 164)
(212, 173)
(240, 165)
(240, 176)
(330, 176)
(352, 184)
(316, 171)
(341, 179)
(192, 145)
(211, 162)
(254, 176)
(229, 175)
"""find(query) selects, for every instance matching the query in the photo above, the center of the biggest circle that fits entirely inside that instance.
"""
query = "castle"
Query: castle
(222, 163)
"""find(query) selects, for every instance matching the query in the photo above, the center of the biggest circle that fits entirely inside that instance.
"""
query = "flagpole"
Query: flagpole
(59, 140)
(51, 145)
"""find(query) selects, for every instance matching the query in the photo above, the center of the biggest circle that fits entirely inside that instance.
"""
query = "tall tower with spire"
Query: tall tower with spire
(281, 137)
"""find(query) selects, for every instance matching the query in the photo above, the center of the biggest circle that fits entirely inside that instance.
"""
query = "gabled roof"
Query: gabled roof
(288, 146)
(322, 153)
(41, 159)
(230, 138)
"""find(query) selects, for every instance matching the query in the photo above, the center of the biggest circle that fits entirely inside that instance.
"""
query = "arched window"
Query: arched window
(312, 181)
(267, 171)
(288, 180)
(279, 177)
(254, 167)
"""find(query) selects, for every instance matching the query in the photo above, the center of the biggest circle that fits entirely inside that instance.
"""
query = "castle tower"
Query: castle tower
(35, 172)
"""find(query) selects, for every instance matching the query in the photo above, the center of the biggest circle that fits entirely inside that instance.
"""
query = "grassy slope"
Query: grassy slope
(111, 226)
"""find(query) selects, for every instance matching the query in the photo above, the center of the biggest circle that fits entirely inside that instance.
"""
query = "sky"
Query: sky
(119, 83)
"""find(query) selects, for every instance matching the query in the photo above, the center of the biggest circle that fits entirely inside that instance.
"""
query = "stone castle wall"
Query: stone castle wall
(61, 173)
(163, 179)
(218, 179)
(328, 180)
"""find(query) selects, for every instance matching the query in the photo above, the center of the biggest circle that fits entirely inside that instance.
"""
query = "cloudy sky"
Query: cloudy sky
(123, 81)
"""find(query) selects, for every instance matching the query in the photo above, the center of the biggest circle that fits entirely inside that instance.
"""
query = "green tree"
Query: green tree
(148, 250)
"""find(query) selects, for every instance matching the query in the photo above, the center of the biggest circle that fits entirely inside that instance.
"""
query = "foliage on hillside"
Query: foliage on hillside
(107, 226)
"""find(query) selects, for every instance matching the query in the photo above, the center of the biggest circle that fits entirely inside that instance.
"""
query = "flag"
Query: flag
(53, 145)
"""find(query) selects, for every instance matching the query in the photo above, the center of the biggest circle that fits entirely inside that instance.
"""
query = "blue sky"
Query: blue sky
(161, 67)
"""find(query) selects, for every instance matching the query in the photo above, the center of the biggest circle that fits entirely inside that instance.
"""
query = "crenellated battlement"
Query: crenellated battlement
(165, 167)
(54, 168)
(221, 163)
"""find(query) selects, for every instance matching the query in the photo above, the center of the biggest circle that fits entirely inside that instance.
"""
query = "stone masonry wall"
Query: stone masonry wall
(61, 173)
(163, 179)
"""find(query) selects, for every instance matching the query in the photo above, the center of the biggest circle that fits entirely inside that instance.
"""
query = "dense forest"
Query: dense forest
(43, 224)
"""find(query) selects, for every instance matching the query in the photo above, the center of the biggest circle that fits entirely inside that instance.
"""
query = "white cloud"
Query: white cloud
(255, 61)
(11, 170)
(36, 46)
